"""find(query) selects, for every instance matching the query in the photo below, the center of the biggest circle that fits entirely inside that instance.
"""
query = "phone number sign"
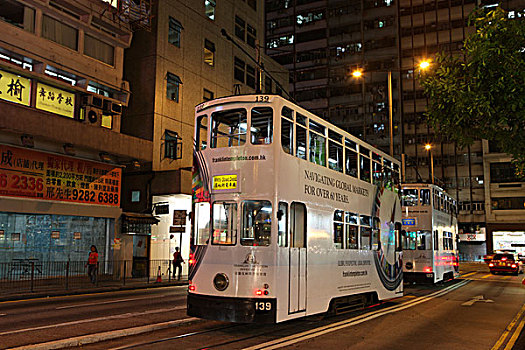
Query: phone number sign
(32, 174)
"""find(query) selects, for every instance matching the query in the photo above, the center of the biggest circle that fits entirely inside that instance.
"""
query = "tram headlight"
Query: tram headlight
(221, 282)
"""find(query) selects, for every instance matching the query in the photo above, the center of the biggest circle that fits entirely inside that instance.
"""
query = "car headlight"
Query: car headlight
(221, 282)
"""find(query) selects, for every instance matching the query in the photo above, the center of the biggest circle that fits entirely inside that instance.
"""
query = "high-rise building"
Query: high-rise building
(195, 51)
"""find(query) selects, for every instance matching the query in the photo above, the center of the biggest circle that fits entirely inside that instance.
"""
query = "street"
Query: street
(477, 311)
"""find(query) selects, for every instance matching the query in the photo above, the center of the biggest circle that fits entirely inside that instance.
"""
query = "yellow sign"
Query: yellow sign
(225, 182)
(51, 99)
(15, 88)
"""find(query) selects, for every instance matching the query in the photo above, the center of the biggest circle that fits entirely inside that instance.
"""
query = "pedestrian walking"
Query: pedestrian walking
(92, 264)
(177, 263)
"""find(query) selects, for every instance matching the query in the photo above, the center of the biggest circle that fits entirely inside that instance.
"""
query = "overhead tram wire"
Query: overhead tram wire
(259, 65)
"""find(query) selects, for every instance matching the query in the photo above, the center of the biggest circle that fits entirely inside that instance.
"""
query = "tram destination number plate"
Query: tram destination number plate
(264, 305)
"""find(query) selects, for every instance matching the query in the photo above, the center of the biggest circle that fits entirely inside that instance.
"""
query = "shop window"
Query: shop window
(135, 196)
(239, 69)
(256, 223)
(207, 95)
(209, 9)
(172, 145)
(209, 52)
(262, 126)
(99, 50)
(174, 32)
(60, 33)
(224, 224)
(228, 128)
(172, 88)
(17, 14)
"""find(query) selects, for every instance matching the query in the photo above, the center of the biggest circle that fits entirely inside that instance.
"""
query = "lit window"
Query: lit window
(209, 52)
(209, 9)
(172, 89)
(174, 32)
(107, 121)
(135, 196)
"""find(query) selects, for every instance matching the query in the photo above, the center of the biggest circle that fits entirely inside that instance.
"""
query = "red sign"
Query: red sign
(32, 174)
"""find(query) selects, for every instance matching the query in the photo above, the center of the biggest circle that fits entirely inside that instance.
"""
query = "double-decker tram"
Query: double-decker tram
(430, 234)
(292, 215)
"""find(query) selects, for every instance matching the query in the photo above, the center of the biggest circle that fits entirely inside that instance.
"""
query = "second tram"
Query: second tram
(430, 234)
(292, 216)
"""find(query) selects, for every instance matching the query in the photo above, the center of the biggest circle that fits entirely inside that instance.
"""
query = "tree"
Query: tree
(480, 92)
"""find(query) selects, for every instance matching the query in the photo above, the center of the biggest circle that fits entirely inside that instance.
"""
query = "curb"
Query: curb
(99, 337)
(38, 295)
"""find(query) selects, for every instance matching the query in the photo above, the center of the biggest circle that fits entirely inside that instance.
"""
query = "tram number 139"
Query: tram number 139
(263, 306)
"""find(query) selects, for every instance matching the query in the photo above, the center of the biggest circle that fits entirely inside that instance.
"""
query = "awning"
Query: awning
(139, 218)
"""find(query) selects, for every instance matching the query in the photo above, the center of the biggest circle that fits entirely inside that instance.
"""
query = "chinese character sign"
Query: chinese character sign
(14, 88)
(51, 99)
(32, 174)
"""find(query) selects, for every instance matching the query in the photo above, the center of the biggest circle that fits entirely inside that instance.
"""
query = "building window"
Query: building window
(252, 4)
(207, 95)
(209, 9)
(503, 172)
(268, 85)
(508, 203)
(174, 32)
(172, 90)
(250, 76)
(106, 121)
(17, 14)
(99, 50)
(240, 31)
(239, 69)
(60, 33)
(172, 145)
(135, 196)
(209, 52)
(251, 35)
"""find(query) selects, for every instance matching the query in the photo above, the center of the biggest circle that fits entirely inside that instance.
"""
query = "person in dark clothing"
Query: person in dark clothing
(92, 264)
(177, 263)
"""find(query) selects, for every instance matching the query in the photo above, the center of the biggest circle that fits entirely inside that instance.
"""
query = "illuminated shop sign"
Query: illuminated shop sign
(15, 88)
(51, 99)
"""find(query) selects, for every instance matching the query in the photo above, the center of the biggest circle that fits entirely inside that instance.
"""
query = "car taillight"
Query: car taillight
(503, 259)
(491, 264)
(513, 266)
(427, 269)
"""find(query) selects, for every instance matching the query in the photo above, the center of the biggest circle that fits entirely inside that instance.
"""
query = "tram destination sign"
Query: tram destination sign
(408, 222)
(225, 183)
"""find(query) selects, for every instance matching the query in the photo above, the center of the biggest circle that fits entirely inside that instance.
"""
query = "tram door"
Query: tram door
(297, 259)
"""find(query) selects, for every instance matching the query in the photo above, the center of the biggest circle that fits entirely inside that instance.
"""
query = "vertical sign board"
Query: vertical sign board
(32, 174)
(179, 217)
(15, 88)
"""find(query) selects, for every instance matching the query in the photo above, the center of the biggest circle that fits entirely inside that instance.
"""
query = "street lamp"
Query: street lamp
(428, 147)
(358, 74)
(424, 64)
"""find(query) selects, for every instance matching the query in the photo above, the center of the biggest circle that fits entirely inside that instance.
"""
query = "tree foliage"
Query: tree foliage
(480, 92)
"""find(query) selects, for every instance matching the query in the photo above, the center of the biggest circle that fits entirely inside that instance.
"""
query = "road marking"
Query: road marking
(475, 299)
(486, 276)
(468, 274)
(506, 277)
(111, 301)
(98, 337)
(296, 338)
(515, 336)
(508, 329)
(97, 319)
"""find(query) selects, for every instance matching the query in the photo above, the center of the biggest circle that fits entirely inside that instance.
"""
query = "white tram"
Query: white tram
(292, 216)
(430, 228)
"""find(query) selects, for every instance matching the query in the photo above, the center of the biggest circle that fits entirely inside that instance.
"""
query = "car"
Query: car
(505, 262)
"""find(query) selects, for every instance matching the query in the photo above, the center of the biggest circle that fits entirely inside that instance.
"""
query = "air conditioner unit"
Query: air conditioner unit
(92, 116)
(92, 100)
(112, 107)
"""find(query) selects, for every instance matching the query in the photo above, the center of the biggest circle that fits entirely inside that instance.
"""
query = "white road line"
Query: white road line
(98, 337)
(296, 338)
(110, 302)
(97, 319)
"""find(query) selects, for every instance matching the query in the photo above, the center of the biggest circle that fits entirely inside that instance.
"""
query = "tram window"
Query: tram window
(317, 149)
(300, 142)
(396, 178)
(424, 197)
(436, 240)
(224, 223)
(338, 235)
(256, 223)
(202, 224)
(298, 225)
(338, 215)
(301, 119)
(365, 237)
(387, 174)
(364, 166)
(351, 236)
(421, 240)
(375, 233)
(364, 151)
(399, 235)
(287, 112)
(228, 128)
(376, 157)
(377, 173)
(409, 241)
(365, 220)
(409, 197)
(351, 163)
(287, 135)
(282, 225)
(335, 156)
(321, 129)
(262, 126)
(351, 218)
(332, 135)
(350, 144)
(202, 133)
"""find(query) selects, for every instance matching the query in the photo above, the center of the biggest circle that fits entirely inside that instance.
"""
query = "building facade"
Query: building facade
(182, 61)
(322, 42)
(62, 94)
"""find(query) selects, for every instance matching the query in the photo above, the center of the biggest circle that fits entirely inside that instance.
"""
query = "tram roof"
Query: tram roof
(249, 98)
